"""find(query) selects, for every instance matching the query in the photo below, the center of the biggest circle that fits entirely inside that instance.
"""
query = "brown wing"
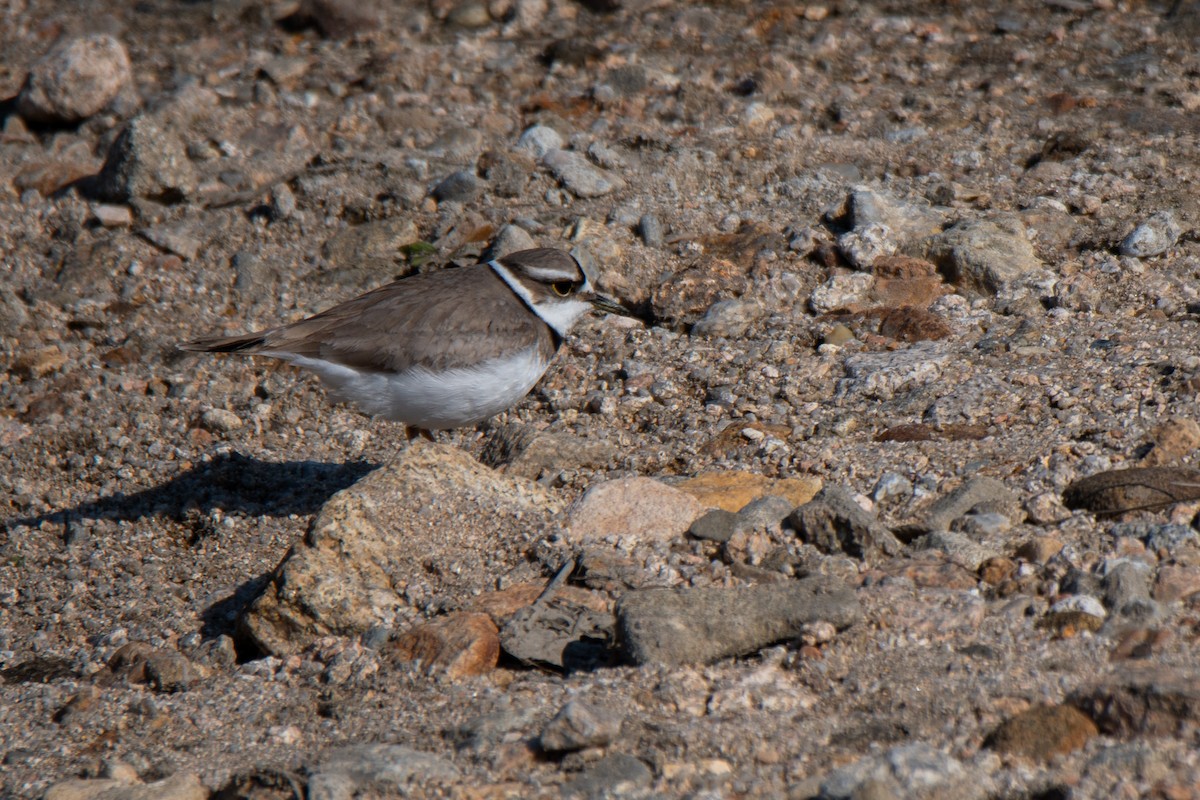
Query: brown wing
(432, 319)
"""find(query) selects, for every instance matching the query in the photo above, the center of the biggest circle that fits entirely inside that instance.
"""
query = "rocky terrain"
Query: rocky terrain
(892, 495)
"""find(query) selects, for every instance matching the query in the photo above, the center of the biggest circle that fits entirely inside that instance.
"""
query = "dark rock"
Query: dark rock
(717, 525)
(147, 161)
(834, 523)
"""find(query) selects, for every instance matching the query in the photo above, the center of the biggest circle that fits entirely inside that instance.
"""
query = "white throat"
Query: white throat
(561, 314)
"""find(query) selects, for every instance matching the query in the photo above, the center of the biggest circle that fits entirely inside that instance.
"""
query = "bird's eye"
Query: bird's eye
(562, 288)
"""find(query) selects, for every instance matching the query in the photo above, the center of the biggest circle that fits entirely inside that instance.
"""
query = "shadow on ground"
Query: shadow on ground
(230, 482)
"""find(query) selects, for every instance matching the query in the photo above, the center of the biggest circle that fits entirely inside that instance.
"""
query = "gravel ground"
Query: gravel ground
(938, 259)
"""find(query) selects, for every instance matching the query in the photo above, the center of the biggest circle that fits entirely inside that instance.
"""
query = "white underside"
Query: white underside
(432, 400)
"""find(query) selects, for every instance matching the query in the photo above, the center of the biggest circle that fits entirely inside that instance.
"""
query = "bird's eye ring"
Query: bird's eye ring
(562, 288)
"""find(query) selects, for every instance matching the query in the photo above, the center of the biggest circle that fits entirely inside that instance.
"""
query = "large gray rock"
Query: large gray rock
(431, 527)
(983, 256)
(697, 626)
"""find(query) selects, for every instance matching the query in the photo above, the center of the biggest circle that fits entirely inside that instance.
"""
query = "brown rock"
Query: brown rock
(456, 646)
(1119, 490)
(1175, 582)
(38, 362)
(640, 507)
(503, 603)
(1143, 698)
(1140, 643)
(994, 571)
(1043, 732)
(1172, 440)
(911, 324)
(1040, 549)
(47, 177)
(731, 490)
(905, 281)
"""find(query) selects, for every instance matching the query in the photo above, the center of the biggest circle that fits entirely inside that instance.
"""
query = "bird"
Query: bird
(438, 350)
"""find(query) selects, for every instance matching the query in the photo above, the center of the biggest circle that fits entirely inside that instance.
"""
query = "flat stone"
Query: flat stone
(180, 786)
(882, 376)
(163, 669)
(697, 626)
(185, 240)
(111, 216)
(1043, 732)
(868, 206)
(960, 549)
(559, 634)
(639, 507)
(842, 292)
(728, 318)
(434, 523)
(616, 775)
(732, 490)
(456, 646)
(459, 187)
(578, 175)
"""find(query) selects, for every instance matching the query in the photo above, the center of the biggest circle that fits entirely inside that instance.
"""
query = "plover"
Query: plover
(442, 349)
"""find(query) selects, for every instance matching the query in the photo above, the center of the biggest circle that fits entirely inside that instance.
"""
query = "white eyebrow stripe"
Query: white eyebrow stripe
(549, 275)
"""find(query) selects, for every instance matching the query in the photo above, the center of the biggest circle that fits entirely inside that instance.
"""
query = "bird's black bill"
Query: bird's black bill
(610, 306)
